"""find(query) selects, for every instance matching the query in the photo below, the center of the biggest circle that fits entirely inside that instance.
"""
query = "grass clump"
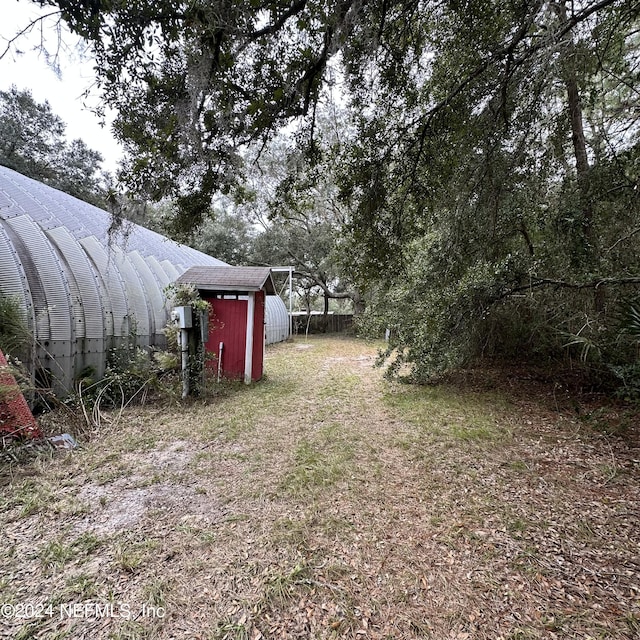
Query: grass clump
(281, 587)
(445, 412)
(58, 552)
(228, 629)
(31, 497)
(317, 465)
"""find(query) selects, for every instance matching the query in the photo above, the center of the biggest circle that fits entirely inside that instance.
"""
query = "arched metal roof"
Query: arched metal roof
(82, 292)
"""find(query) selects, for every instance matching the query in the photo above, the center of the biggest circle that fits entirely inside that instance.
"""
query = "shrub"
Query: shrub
(14, 333)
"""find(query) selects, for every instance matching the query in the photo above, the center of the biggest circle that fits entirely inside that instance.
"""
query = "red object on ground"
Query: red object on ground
(16, 418)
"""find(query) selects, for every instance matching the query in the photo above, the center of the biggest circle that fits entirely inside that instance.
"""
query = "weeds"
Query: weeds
(281, 587)
(32, 497)
(317, 465)
(30, 631)
(227, 629)
(156, 592)
(442, 412)
(81, 587)
(129, 557)
(131, 630)
(58, 552)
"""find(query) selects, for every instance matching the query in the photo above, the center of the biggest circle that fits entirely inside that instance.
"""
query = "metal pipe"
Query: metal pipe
(290, 302)
(184, 347)
(248, 346)
(220, 348)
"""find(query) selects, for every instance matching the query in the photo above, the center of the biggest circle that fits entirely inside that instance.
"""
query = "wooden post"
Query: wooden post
(248, 349)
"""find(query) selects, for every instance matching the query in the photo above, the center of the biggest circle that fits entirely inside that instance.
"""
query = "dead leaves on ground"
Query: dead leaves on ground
(506, 519)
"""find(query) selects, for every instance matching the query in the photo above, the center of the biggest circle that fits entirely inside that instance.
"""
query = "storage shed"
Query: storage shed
(237, 327)
(82, 291)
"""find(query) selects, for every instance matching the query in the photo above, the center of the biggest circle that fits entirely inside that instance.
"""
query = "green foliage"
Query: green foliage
(475, 227)
(32, 142)
(132, 375)
(631, 322)
(191, 85)
(129, 371)
(228, 237)
(15, 343)
(628, 377)
(297, 205)
(483, 184)
(14, 334)
(186, 295)
(166, 360)
(627, 372)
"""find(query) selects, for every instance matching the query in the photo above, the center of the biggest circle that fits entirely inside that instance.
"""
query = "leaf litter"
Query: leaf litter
(326, 502)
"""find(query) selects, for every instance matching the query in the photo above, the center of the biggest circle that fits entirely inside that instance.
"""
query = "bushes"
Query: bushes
(486, 311)
(139, 371)
(132, 375)
(14, 333)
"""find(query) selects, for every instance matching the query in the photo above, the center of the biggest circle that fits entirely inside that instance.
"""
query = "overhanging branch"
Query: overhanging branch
(537, 283)
(26, 30)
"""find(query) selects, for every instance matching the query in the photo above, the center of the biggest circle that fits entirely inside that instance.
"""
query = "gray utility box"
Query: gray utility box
(183, 316)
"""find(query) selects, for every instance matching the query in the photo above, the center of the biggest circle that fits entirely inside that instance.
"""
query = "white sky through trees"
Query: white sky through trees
(28, 68)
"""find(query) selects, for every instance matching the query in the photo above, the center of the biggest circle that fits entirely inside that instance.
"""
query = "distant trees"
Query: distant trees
(296, 206)
(33, 142)
(227, 236)
(281, 219)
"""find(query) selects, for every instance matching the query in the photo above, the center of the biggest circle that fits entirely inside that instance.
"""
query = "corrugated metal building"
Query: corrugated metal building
(82, 292)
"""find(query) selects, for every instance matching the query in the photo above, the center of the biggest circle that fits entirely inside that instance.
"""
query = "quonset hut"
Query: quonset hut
(82, 292)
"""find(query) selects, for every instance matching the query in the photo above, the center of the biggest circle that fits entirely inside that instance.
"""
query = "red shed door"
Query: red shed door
(228, 324)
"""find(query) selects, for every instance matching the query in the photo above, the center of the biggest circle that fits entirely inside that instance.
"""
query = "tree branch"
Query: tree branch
(591, 284)
(324, 287)
(26, 30)
(295, 8)
(622, 239)
(508, 49)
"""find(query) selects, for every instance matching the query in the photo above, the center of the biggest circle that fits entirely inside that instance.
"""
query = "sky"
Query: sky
(27, 68)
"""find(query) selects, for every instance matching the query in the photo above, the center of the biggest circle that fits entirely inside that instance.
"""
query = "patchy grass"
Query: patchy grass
(325, 502)
(447, 413)
(321, 461)
(57, 552)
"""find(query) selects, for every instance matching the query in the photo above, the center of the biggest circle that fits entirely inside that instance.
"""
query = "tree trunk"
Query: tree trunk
(574, 103)
(359, 305)
(325, 314)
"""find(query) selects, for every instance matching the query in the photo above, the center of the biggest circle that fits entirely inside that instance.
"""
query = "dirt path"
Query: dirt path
(327, 503)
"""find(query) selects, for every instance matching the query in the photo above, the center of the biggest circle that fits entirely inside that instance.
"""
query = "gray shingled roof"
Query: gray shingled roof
(229, 279)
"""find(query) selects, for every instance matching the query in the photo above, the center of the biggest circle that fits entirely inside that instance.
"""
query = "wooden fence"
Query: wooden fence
(333, 323)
